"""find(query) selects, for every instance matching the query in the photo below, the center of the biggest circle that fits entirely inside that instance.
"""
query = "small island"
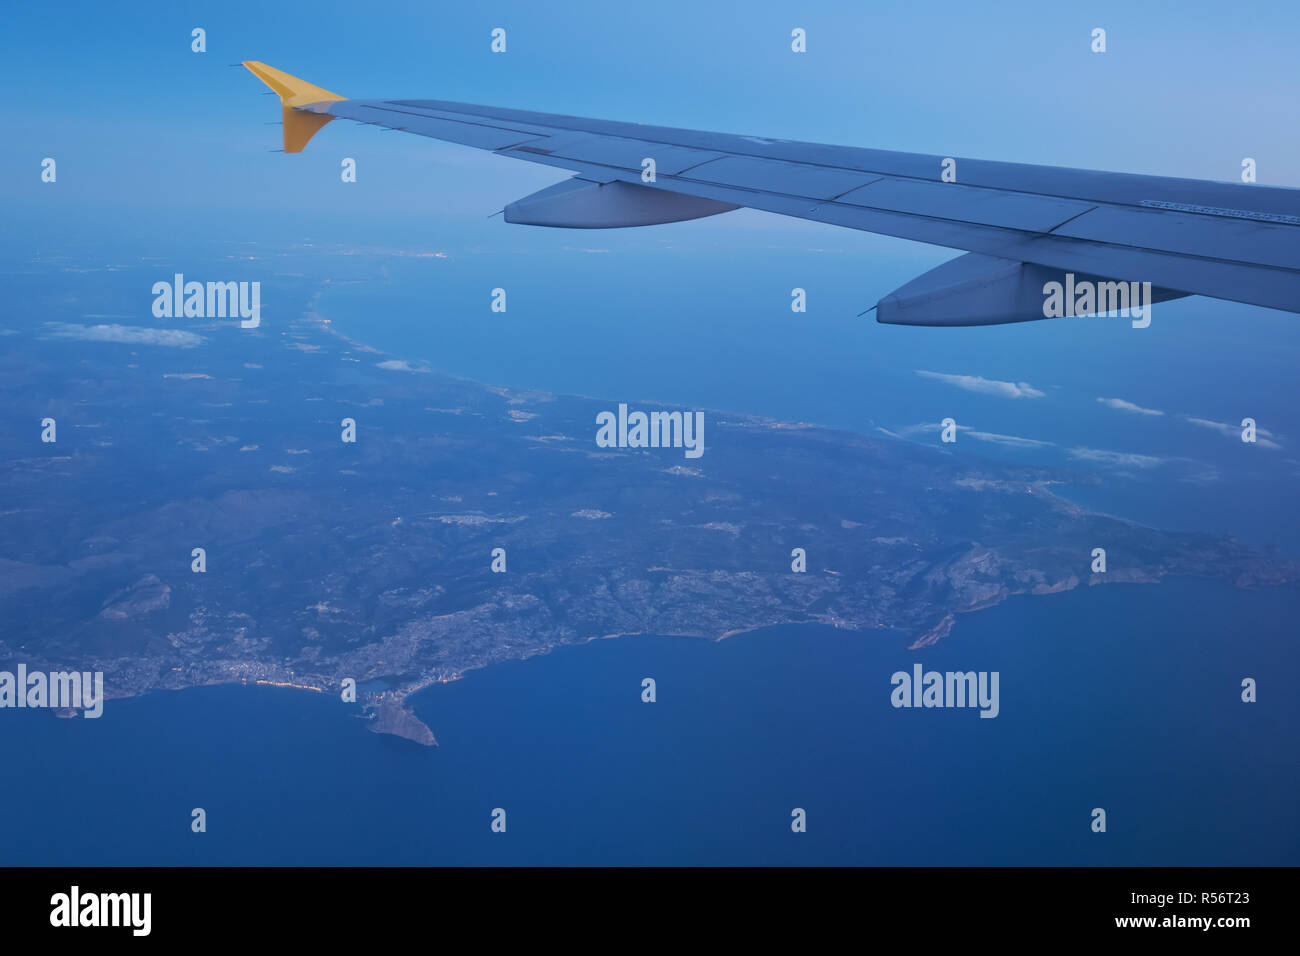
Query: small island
(395, 716)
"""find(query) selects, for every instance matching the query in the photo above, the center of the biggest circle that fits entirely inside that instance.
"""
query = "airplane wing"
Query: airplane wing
(1021, 225)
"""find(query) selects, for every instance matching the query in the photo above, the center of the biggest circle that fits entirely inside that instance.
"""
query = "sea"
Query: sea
(1123, 698)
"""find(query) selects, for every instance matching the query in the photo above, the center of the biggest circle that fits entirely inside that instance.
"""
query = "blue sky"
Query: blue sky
(137, 120)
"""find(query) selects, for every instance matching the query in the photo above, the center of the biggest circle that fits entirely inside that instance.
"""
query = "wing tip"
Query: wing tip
(294, 93)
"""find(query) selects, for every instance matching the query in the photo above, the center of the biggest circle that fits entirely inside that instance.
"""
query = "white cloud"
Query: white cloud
(984, 386)
(125, 334)
(902, 431)
(1013, 441)
(1122, 406)
(1262, 435)
(398, 365)
(1121, 459)
(1202, 477)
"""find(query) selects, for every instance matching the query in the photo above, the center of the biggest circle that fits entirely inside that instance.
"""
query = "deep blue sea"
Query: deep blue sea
(1120, 697)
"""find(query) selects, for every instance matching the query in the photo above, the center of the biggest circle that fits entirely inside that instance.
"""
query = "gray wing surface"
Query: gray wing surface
(1022, 224)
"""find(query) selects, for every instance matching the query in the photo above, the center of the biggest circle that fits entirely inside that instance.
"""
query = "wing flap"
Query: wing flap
(972, 204)
(781, 177)
(630, 154)
(1239, 240)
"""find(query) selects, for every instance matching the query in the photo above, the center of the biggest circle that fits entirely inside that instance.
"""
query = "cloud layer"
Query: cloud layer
(125, 335)
(1263, 436)
(1120, 405)
(984, 386)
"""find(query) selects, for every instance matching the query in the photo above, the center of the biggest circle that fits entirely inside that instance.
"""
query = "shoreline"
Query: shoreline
(751, 597)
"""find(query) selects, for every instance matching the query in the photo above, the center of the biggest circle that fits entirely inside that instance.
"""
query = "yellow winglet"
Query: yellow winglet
(299, 126)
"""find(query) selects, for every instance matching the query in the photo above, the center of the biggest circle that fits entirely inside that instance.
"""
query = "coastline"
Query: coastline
(756, 597)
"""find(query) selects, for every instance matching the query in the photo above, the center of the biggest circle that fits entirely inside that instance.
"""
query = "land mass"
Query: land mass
(324, 560)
